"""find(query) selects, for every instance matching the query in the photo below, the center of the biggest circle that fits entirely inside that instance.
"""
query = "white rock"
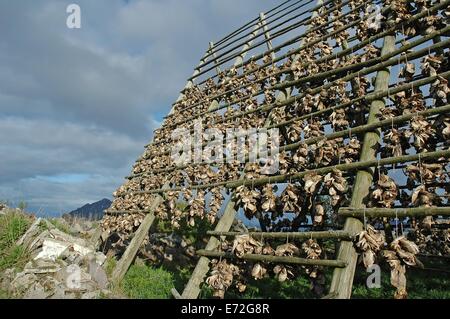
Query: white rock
(31, 232)
(36, 291)
(91, 295)
(98, 274)
(82, 250)
(52, 249)
(22, 282)
(100, 258)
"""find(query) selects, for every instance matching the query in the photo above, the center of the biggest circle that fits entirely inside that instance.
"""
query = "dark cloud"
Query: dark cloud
(83, 103)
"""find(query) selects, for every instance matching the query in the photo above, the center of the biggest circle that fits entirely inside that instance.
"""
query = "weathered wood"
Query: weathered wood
(393, 212)
(175, 293)
(336, 234)
(211, 49)
(274, 259)
(130, 253)
(192, 289)
(262, 19)
(95, 238)
(342, 282)
(32, 231)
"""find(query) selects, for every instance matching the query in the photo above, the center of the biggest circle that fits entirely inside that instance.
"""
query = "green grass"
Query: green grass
(110, 264)
(270, 288)
(12, 226)
(143, 282)
(420, 284)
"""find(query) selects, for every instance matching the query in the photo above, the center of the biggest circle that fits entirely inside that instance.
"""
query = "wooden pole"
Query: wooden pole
(262, 19)
(337, 234)
(192, 289)
(394, 212)
(342, 282)
(274, 259)
(130, 253)
(211, 48)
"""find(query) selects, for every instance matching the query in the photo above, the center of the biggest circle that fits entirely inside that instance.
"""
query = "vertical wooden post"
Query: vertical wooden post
(341, 285)
(192, 289)
(130, 253)
(211, 48)
(262, 19)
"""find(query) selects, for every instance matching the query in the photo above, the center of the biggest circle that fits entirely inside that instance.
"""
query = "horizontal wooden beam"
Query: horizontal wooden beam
(337, 234)
(274, 259)
(394, 212)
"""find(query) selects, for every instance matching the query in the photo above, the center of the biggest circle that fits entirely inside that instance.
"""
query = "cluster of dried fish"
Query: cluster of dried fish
(422, 180)
(283, 272)
(370, 26)
(121, 225)
(221, 276)
(292, 199)
(248, 199)
(336, 185)
(385, 193)
(401, 252)
(440, 91)
(422, 132)
(395, 143)
(432, 241)
(159, 248)
(312, 250)
(269, 199)
(245, 244)
(196, 207)
(369, 242)
(215, 204)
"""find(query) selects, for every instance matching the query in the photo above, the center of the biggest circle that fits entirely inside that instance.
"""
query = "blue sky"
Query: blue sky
(78, 106)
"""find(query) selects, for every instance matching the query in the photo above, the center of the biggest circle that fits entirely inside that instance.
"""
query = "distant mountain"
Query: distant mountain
(91, 211)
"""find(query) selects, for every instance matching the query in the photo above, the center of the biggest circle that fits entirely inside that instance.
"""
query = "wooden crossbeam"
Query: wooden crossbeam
(275, 259)
(335, 234)
(393, 212)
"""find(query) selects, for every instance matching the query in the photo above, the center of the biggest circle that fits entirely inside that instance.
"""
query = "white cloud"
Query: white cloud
(84, 102)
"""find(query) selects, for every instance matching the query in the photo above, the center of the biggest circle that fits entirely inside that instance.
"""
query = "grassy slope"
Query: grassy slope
(12, 227)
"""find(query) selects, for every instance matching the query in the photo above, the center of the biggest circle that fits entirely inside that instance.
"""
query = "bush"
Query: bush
(143, 282)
